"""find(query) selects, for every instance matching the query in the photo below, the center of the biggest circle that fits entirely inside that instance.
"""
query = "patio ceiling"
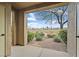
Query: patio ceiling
(25, 6)
(20, 5)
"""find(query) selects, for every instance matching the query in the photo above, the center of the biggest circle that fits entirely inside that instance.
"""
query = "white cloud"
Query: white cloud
(55, 21)
(32, 17)
(34, 25)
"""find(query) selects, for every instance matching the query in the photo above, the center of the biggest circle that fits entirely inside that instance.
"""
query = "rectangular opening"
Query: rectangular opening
(48, 28)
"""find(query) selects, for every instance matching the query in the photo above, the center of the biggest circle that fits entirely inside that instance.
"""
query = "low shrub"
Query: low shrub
(30, 36)
(39, 36)
(56, 39)
(63, 35)
(42, 34)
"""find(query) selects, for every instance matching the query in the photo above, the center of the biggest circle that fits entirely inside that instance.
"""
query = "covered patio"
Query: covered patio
(32, 51)
(19, 38)
(13, 29)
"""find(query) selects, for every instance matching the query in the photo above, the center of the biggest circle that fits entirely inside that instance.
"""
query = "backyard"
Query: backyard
(50, 39)
(48, 28)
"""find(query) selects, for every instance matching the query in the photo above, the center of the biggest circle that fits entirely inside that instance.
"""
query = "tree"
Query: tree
(55, 13)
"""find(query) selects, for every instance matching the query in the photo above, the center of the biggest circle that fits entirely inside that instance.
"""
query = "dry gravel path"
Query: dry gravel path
(50, 44)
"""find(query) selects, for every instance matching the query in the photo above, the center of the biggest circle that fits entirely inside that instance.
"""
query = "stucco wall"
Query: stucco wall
(8, 29)
(19, 16)
(21, 28)
(13, 28)
(77, 29)
(25, 29)
(71, 41)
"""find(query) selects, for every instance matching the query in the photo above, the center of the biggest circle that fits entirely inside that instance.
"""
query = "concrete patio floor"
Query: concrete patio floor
(32, 51)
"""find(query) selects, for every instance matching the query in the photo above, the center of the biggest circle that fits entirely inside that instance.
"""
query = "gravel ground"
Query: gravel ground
(50, 44)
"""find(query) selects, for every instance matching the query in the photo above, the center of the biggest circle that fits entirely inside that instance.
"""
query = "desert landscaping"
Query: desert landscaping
(50, 39)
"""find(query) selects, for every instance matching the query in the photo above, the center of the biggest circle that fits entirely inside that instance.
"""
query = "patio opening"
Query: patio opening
(48, 28)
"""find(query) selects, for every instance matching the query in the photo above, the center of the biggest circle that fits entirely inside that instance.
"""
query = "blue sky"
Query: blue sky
(34, 22)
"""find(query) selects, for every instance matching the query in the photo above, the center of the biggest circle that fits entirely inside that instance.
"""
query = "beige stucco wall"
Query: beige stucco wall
(13, 28)
(25, 29)
(8, 29)
(77, 29)
(19, 16)
(21, 28)
(71, 41)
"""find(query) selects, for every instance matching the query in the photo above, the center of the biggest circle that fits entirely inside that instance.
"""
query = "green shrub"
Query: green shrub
(42, 34)
(39, 36)
(56, 39)
(63, 35)
(30, 36)
(50, 36)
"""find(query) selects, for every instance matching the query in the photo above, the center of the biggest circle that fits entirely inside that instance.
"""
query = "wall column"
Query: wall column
(8, 29)
(71, 40)
(19, 27)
